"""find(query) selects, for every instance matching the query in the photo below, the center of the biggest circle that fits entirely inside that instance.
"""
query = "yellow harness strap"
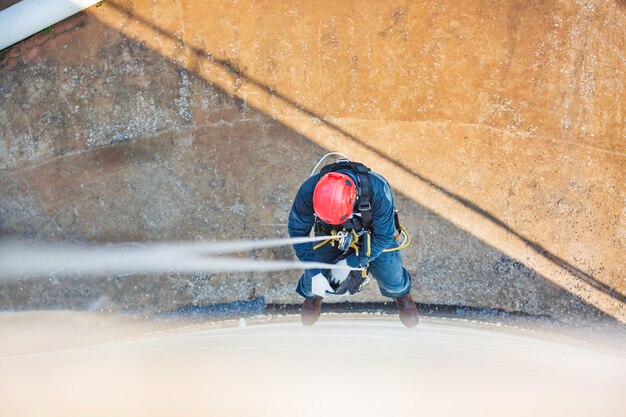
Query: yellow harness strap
(333, 233)
(368, 242)
(406, 243)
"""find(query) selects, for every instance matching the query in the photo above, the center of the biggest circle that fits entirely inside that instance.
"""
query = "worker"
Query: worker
(346, 199)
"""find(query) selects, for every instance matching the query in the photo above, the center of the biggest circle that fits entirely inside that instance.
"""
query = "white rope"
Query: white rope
(324, 157)
(238, 245)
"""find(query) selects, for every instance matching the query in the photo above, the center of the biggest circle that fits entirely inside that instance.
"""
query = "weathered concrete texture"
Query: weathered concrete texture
(198, 185)
(107, 138)
(4, 4)
(428, 82)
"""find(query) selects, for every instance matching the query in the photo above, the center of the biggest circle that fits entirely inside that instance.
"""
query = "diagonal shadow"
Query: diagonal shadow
(235, 70)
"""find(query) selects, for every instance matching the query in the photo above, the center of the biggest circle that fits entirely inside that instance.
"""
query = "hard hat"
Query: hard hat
(333, 198)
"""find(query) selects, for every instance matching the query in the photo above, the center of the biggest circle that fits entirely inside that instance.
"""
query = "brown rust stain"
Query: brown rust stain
(513, 108)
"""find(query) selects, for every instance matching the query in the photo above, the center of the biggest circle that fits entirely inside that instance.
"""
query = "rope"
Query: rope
(324, 157)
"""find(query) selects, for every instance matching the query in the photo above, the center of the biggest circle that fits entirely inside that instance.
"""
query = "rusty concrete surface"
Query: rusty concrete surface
(4, 4)
(500, 126)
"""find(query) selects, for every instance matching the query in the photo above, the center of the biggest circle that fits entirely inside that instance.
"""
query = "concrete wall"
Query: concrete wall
(500, 127)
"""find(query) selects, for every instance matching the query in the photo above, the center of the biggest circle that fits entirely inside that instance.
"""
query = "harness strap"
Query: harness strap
(364, 206)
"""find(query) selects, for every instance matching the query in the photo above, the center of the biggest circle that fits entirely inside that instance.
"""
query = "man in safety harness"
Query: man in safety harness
(354, 208)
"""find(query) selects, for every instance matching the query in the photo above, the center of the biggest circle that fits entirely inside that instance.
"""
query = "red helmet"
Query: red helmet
(333, 198)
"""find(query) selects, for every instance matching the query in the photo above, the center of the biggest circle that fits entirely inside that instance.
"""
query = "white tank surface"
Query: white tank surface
(28, 17)
(60, 364)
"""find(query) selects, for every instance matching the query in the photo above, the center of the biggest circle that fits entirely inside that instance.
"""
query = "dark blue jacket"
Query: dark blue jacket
(302, 218)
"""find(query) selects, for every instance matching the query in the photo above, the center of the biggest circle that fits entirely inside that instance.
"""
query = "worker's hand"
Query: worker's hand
(352, 284)
(319, 285)
(338, 275)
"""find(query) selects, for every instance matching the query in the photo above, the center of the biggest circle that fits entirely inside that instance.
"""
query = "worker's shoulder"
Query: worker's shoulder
(380, 188)
(309, 184)
(376, 178)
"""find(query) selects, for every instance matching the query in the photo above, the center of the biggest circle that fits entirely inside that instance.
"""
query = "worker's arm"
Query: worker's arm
(301, 220)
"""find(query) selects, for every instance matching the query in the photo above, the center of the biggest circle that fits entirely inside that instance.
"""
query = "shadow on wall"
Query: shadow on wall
(198, 175)
(537, 248)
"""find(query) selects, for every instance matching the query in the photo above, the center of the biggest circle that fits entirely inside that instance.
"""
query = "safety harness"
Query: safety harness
(364, 207)
(355, 232)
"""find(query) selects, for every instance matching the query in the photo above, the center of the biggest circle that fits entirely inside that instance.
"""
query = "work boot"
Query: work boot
(409, 316)
(310, 311)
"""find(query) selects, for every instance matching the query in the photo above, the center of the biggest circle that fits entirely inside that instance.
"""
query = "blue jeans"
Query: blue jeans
(393, 280)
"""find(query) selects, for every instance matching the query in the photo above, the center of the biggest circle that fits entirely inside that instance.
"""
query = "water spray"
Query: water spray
(24, 259)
